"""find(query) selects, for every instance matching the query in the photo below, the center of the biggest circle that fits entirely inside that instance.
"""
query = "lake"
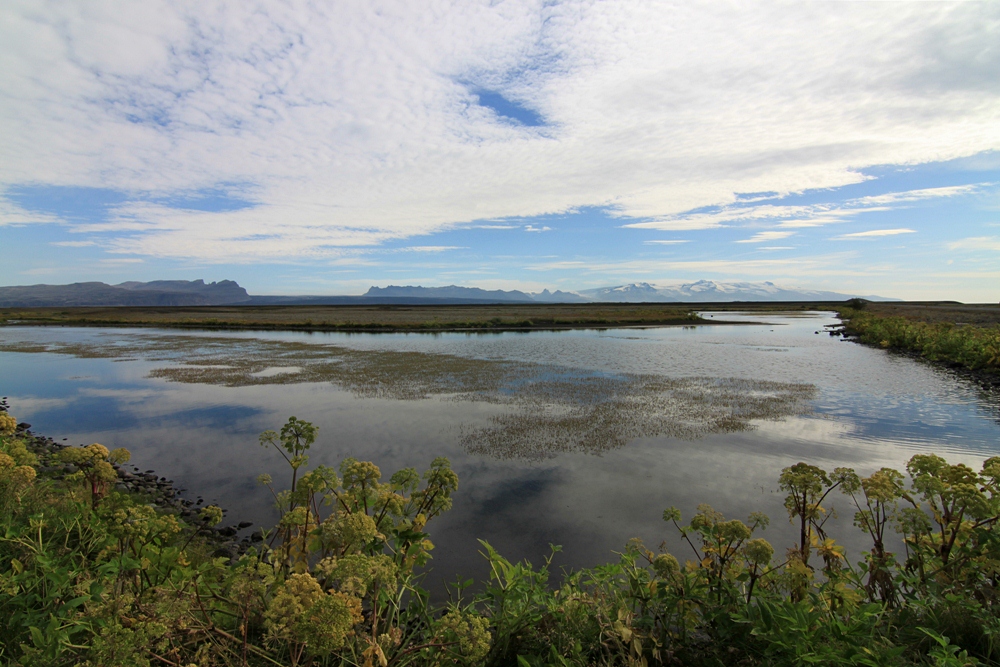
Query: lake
(579, 438)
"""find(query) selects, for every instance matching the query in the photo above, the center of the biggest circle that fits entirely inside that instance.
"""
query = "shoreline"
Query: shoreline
(987, 380)
(398, 319)
(375, 329)
(158, 492)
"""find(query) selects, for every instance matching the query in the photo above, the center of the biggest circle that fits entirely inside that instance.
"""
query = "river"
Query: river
(578, 438)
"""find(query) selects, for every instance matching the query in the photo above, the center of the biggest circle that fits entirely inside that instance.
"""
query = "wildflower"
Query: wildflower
(95, 464)
(210, 515)
(471, 634)
(759, 551)
(8, 425)
(666, 566)
(357, 574)
(301, 614)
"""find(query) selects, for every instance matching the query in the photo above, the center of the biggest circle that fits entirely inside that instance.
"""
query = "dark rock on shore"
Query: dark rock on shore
(159, 491)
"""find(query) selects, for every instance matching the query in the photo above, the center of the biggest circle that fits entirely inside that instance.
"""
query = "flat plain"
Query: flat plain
(457, 317)
(390, 317)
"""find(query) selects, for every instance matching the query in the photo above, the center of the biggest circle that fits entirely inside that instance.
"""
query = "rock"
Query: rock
(244, 524)
(227, 551)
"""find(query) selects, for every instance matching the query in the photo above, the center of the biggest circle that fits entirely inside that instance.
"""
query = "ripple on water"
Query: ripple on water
(547, 409)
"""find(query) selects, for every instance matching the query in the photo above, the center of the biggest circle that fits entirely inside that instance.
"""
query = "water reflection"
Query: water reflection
(548, 409)
(193, 412)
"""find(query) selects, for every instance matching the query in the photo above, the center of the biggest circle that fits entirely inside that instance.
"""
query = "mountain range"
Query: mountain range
(155, 293)
(701, 291)
(228, 292)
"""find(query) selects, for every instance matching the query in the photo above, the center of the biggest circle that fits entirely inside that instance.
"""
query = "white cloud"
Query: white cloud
(348, 124)
(12, 214)
(532, 228)
(800, 216)
(874, 233)
(918, 195)
(430, 248)
(761, 237)
(988, 243)
(73, 244)
(665, 241)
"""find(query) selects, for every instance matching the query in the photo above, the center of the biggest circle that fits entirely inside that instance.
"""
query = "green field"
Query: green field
(392, 317)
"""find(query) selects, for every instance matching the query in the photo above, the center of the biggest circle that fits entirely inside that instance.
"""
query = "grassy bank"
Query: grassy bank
(363, 318)
(89, 576)
(972, 346)
(392, 317)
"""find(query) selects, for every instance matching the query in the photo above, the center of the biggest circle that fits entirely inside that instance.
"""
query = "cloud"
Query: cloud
(73, 244)
(43, 271)
(918, 195)
(798, 216)
(761, 237)
(665, 241)
(801, 216)
(532, 228)
(12, 214)
(430, 248)
(874, 233)
(342, 125)
(977, 243)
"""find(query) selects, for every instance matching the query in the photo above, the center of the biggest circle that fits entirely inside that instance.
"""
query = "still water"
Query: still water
(575, 438)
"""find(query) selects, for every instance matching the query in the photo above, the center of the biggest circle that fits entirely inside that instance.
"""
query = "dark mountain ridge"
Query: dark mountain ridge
(156, 293)
(227, 292)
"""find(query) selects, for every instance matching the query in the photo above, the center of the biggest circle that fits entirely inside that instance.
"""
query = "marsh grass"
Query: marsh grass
(547, 409)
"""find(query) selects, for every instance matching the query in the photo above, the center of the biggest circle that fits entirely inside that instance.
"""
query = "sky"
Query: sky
(322, 148)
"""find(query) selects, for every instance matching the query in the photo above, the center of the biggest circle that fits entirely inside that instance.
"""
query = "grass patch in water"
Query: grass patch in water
(548, 409)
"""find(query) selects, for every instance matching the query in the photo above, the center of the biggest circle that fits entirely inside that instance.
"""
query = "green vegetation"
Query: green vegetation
(973, 347)
(375, 318)
(91, 577)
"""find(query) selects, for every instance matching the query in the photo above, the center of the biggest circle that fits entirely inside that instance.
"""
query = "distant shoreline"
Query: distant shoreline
(397, 318)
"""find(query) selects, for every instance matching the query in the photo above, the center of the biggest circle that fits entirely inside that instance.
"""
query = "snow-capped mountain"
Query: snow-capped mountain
(700, 291)
(711, 291)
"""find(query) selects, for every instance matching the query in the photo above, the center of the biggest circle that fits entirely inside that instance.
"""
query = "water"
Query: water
(576, 438)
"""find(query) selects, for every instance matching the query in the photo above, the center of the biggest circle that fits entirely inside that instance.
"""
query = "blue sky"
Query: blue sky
(517, 145)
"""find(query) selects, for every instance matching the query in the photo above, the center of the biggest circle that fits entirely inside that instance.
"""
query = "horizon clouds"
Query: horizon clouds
(297, 147)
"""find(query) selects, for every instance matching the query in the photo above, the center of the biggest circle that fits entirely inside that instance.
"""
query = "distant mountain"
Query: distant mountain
(633, 293)
(558, 296)
(449, 292)
(701, 291)
(156, 293)
(709, 291)
(227, 292)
